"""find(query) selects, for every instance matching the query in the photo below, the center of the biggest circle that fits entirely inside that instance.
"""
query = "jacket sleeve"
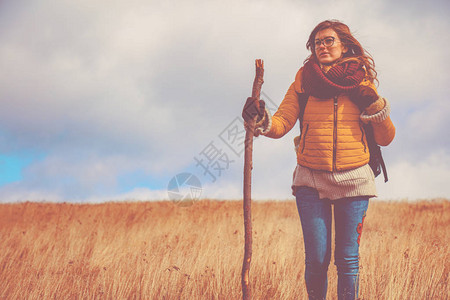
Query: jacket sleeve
(383, 128)
(286, 116)
(384, 132)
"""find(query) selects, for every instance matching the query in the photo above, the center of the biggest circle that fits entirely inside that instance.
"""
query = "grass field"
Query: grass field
(160, 250)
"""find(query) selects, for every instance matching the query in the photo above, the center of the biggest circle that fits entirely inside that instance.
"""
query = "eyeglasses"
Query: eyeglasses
(327, 42)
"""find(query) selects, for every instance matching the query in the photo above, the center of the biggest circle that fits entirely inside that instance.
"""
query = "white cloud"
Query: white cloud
(137, 194)
(103, 88)
(430, 120)
(426, 178)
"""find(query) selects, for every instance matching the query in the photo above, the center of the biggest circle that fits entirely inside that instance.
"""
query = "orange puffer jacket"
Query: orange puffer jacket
(333, 137)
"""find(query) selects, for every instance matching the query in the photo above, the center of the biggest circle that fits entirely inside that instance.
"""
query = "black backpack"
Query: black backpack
(376, 161)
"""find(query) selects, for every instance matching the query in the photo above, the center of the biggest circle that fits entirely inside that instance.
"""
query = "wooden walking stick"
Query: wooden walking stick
(248, 165)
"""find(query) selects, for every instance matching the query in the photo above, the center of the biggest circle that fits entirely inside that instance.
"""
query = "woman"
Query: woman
(337, 80)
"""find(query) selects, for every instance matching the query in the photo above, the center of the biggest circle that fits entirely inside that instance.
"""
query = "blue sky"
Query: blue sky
(11, 168)
(104, 100)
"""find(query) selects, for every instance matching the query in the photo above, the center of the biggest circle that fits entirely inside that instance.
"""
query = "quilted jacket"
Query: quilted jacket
(333, 138)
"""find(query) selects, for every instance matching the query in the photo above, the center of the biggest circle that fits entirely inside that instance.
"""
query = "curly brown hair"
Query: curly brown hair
(355, 50)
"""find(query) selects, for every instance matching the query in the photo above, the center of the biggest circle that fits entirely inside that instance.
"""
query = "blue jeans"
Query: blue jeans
(315, 216)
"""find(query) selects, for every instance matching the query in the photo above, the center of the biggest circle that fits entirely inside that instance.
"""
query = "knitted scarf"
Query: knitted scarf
(340, 78)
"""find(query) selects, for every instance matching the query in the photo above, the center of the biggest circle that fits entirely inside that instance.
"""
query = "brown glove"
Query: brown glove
(363, 97)
(253, 107)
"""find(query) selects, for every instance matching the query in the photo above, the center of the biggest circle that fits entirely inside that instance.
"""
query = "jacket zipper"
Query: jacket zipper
(304, 137)
(335, 132)
(362, 138)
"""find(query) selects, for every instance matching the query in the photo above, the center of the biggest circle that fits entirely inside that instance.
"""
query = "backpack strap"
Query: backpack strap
(383, 166)
(302, 101)
(376, 161)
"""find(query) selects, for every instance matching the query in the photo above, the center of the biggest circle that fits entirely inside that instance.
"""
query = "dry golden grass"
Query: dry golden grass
(158, 250)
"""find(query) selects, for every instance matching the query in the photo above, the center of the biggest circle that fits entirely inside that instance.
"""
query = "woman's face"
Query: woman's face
(328, 46)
